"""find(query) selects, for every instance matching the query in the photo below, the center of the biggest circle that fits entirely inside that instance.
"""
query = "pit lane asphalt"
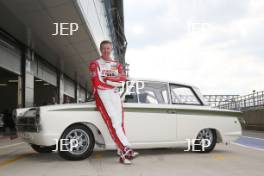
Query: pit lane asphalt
(18, 159)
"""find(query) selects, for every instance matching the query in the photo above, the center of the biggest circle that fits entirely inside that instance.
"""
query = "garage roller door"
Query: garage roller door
(82, 94)
(46, 73)
(10, 58)
(69, 87)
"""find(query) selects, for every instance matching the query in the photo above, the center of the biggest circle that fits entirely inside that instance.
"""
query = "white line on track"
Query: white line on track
(249, 147)
(253, 137)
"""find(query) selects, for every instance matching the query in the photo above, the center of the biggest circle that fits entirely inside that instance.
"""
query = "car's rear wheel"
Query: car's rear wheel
(205, 141)
(76, 143)
(42, 149)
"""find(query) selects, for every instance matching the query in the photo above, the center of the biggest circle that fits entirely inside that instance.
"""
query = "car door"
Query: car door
(186, 101)
(148, 115)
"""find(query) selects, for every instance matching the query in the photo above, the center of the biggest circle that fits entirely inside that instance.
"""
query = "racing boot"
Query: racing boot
(124, 160)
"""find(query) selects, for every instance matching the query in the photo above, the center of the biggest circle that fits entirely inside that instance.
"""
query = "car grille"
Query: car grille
(29, 122)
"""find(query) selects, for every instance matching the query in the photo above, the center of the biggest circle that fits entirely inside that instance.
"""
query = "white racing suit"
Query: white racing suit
(106, 77)
(112, 104)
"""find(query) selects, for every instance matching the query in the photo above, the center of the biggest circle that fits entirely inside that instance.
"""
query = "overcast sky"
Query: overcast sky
(217, 45)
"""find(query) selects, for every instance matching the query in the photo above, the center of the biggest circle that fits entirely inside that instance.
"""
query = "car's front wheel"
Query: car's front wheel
(205, 141)
(42, 149)
(76, 143)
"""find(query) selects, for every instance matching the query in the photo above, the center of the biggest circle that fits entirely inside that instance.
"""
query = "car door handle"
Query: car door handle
(169, 111)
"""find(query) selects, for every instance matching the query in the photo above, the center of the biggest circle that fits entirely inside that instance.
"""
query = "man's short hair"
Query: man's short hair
(105, 42)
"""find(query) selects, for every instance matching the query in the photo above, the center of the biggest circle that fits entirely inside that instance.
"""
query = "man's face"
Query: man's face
(106, 50)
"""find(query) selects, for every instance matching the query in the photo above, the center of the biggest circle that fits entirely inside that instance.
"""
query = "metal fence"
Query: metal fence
(254, 100)
(217, 100)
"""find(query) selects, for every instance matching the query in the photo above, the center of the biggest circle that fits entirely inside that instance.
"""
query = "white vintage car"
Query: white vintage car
(157, 115)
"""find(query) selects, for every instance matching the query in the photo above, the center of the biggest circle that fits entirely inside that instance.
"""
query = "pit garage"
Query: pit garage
(69, 91)
(82, 95)
(44, 93)
(45, 84)
(10, 85)
(9, 99)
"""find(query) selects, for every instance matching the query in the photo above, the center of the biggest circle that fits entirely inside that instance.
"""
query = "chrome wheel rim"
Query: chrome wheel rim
(205, 134)
(77, 141)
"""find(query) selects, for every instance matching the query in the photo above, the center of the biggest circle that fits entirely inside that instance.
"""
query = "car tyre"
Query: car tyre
(208, 134)
(85, 144)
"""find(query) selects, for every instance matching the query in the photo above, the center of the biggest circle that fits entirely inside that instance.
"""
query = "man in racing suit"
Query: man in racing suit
(106, 76)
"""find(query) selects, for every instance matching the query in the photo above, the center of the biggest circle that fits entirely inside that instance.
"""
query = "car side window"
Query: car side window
(154, 93)
(165, 96)
(183, 95)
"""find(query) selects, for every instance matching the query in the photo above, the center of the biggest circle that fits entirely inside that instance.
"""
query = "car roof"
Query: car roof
(161, 81)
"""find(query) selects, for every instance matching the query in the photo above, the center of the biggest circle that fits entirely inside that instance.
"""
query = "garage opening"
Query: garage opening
(44, 93)
(9, 101)
(69, 91)
(68, 99)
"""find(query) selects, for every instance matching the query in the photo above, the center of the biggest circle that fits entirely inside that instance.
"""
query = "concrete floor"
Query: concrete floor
(18, 159)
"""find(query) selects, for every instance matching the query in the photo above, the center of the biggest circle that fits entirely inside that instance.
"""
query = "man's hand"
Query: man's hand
(116, 78)
(114, 84)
